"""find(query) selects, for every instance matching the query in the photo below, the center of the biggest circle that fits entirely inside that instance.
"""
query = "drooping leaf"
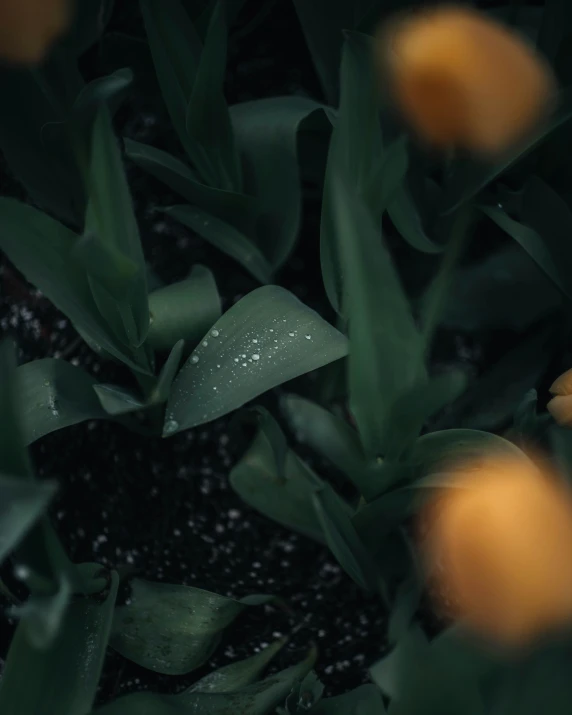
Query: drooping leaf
(55, 394)
(21, 504)
(42, 249)
(226, 238)
(287, 501)
(232, 678)
(66, 675)
(266, 339)
(343, 539)
(266, 132)
(174, 629)
(257, 699)
(184, 310)
(327, 434)
(109, 90)
(111, 218)
(238, 210)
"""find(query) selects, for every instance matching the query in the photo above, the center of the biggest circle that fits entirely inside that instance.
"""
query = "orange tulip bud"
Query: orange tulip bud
(461, 79)
(500, 547)
(560, 406)
(29, 27)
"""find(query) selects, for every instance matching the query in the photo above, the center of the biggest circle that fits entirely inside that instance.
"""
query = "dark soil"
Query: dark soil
(164, 507)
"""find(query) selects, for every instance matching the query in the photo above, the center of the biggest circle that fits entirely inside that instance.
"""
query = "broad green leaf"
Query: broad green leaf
(356, 150)
(234, 677)
(115, 400)
(506, 290)
(55, 394)
(469, 176)
(207, 117)
(266, 132)
(110, 216)
(184, 310)
(287, 501)
(66, 675)
(375, 520)
(492, 400)
(21, 504)
(386, 354)
(238, 210)
(323, 22)
(174, 629)
(343, 539)
(109, 90)
(257, 699)
(14, 460)
(91, 17)
(365, 700)
(329, 435)
(264, 340)
(226, 238)
(107, 266)
(42, 249)
(405, 217)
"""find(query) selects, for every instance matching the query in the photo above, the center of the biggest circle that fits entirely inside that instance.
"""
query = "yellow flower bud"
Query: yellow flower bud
(29, 27)
(462, 79)
(500, 546)
(560, 406)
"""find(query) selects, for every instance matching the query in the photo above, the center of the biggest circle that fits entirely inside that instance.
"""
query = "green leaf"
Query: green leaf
(303, 696)
(42, 615)
(469, 177)
(327, 434)
(91, 17)
(106, 265)
(207, 116)
(386, 354)
(55, 394)
(492, 400)
(257, 699)
(14, 459)
(506, 290)
(376, 520)
(66, 675)
(232, 678)
(266, 132)
(287, 501)
(42, 249)
(266, 339)
(238, 210)
(174, 629)
(118, 400)
(226, 238)
(365, 700)
(160, 392)
(109, 90)
(184, 310)
(21, 504)
(343, 539)
(322, 23)
(111, 218)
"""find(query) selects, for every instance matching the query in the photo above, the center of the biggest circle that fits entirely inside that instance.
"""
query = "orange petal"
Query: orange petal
(562, 385)
(503, 539)
(560, 407)
(29, 27)
(460, 78)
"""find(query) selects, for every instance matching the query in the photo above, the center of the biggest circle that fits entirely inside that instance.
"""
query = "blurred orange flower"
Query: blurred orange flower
(462, 79)
(560, 406)
(499, 544)
(29, 27)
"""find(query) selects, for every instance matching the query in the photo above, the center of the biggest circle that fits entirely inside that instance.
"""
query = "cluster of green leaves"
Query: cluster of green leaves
(241, 178)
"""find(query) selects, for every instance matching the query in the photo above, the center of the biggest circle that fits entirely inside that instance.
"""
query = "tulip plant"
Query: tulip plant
(445, 127)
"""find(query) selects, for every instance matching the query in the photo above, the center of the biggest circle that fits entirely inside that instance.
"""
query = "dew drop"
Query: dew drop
(170, 427)
(255, 341)
(271, 330)
(308, 337)
(244, 364)
(204, 343)
(47, 383)
(195, 359)
(243, 356)
(256, 356)
(214, 388)
(215, 333)
(236, 360)
(291, 334)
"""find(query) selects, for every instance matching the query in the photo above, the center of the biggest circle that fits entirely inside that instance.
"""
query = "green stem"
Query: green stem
(440, 287)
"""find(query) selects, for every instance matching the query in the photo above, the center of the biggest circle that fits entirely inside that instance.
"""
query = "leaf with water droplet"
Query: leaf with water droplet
(193, 400)
(174, 629)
